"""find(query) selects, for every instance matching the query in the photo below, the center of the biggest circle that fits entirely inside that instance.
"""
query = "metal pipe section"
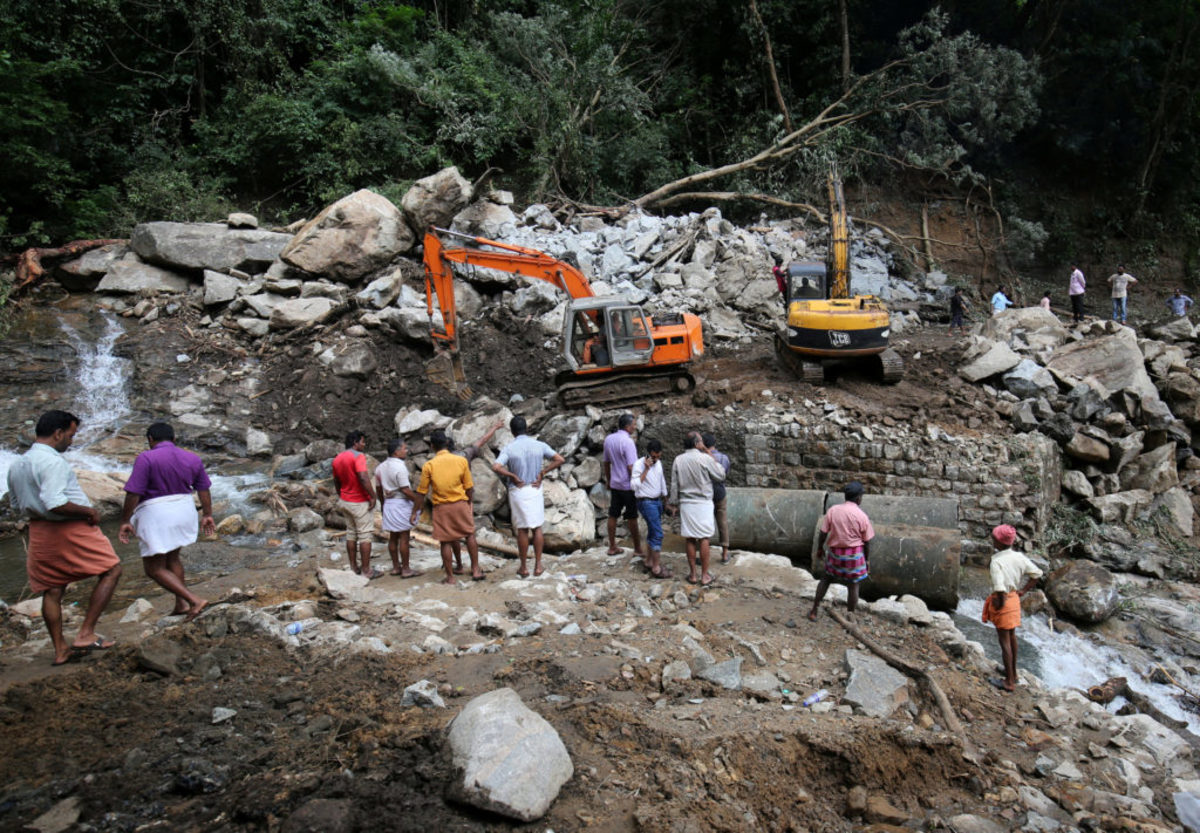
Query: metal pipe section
(916, 549)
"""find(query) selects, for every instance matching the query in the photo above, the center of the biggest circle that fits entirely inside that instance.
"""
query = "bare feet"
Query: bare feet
(449, 580)
(523, 573)
(196, 609)
(614, 551)
(537, 571)
(706, 580)
(406, 573)
(812, 616)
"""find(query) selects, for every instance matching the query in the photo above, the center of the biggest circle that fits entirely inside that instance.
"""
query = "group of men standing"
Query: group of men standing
(637, 486)
(66, 544)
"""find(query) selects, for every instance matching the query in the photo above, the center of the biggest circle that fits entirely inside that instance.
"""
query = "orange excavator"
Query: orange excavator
(617, 354)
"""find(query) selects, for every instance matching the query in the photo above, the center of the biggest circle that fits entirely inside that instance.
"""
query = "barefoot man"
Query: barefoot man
(1013, 575)
(848, 532)
(692, 476)
(396, 497)
(160, 512)
(65, 543)
(446, 479)
(521, 464)
(356, 499)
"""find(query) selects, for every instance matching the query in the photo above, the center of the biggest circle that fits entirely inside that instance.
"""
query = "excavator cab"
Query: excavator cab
(621, 329)
(806, 282)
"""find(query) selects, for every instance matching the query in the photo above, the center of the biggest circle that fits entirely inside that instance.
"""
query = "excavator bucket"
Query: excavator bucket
(446, 370)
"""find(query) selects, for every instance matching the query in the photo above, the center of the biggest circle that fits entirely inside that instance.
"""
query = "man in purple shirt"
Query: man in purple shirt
(620, 454)
(160, 512)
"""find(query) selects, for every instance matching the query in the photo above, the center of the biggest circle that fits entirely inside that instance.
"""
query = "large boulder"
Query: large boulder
(434, 200)
(408, 323)
(198, 246)
(350, 238)
(106, 492)
(1114, 360)
(490, 491)
(352, 359)
(299, 312)
(1153, 471)
(219, 288)
(127, 277)
(1083, 591)
(506, 758)
(382, 291)
(1121, 507)
(1182, 391)
(1087, 449)
(84, 272)
(485, 414)
(1029, 380)
(1178, 510)
(1037, 327)
(990, 359)
(570, 522)
(484, 218)
(565, 433)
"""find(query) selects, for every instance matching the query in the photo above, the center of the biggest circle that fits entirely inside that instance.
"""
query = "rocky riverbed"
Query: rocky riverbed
(265, 347)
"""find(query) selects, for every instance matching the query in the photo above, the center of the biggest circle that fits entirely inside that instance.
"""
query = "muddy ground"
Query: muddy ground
(320, 741)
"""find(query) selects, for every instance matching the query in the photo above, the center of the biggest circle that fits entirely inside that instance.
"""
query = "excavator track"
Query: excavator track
(892, 366)
(622, 389)
(811, 372)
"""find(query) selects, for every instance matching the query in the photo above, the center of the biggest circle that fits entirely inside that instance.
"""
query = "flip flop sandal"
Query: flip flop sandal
(523, 573)
(479, 578)
(374, 574)
(98, 645)
(999, 683)
(74, 656)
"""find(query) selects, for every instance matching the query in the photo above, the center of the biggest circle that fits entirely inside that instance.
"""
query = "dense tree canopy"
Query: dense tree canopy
(113, 111)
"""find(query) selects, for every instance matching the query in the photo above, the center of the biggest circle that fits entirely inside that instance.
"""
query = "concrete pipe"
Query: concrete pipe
(777, 521)
(916, 549)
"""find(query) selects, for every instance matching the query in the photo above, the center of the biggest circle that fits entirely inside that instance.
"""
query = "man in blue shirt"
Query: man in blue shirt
(1000, 301)
(520, 463)
(1179, 303)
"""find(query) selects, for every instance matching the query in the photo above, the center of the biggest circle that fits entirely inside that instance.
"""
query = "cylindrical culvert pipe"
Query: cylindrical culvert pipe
(916, 548)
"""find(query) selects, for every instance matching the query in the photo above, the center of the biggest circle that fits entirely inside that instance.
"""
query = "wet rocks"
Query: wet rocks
(507, 758)
(1083, 591)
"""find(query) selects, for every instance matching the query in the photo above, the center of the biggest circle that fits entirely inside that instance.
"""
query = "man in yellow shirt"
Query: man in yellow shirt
(446, 479)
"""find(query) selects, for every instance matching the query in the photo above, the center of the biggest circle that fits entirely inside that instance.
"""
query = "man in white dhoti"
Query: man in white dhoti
(394, 488)
(692, 476)
(160, 511)
(521, 464)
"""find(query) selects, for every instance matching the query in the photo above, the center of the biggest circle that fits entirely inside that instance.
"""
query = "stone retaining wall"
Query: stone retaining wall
(1014, 479)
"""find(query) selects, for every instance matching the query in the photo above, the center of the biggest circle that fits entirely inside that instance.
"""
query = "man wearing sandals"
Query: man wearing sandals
(447, 480)
(692, 476)
(650, 487)
(1013, 575)
(521, 464)
(356, 499)
(848, 532)
(396, 497)
(65, 541)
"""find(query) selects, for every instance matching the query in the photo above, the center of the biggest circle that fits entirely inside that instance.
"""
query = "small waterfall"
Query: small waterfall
(102, 402)
(1069, 661)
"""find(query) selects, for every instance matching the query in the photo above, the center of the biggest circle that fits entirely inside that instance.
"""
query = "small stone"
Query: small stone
(220, 714)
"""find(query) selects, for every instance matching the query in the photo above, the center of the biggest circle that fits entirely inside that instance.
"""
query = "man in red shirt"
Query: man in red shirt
(356, 498)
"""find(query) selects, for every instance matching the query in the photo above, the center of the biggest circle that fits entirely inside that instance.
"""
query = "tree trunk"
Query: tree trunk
(29, 265)
(844, 25)
(770, 56)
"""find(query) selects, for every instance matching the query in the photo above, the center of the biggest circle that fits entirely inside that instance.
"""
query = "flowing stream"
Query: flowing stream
(99, 396)
(1063, 660)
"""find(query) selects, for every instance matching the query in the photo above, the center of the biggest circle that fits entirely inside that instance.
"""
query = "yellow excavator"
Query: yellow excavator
(826, 326)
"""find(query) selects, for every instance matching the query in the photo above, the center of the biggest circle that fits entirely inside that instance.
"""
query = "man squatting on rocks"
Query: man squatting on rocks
(620, 454)
(446, 479)
(1013, 575)
(65, 543)
(396, 497)
(520, 463)
(650, 488)
(848, 531)
(159, 510)
(356, 498)
(719, 495)
(692, 476)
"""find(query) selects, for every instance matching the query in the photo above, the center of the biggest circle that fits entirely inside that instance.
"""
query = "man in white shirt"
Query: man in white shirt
(394, 488)
(649, 488)
(1121, 282)
(692, 476)
(1013, 575)
(521, 464)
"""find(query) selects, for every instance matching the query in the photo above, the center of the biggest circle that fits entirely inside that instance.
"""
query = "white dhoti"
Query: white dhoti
(166, 523)
(696, 519)
(527, 505)
(397, 514)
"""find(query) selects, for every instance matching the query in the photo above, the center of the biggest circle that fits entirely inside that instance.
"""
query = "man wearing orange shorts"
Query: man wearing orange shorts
(1013, 575)
(65, 541)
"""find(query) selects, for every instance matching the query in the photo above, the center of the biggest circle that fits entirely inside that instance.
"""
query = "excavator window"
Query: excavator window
(630, 334)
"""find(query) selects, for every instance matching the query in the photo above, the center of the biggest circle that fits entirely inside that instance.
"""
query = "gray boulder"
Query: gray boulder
(1029, 380)
(874, 687)
(1077, 483)
(219, 288)
(1115, 361)
(199, 246)
(507, 759)
(320, 450)
(565, 433)
(423, 694)
(490, 491)
(1179, 511)
(1037, 327)
(727, 674)
(240, 219)
(81, 274)
(570, 523)
(127, 277)
(303, 519)
(993, 359)
(353, 360)
(434, 200)
(484, 218)
(350, 238)
(382, 291)
(1153, 471)
(1177, 329)
(299, 312)
(1083, 591)
(1121, 507)
(1086, 448)
(408, 323)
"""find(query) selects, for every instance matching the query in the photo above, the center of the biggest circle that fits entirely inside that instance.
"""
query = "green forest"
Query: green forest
(1074, 117)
